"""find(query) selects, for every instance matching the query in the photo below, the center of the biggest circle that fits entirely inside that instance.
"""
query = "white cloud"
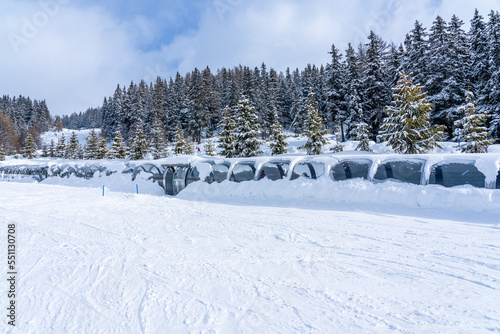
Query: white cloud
(75, 56)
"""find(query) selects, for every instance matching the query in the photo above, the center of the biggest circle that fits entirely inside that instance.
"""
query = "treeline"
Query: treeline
(21, 117)
(89, 119)
(445, 59)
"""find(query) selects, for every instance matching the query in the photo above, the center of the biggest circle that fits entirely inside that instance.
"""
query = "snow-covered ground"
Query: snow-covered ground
(246, 262)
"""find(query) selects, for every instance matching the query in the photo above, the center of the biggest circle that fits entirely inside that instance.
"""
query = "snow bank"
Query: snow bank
(460, 202)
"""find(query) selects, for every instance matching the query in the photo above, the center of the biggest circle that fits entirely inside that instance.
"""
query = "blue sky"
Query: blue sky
(74, 52)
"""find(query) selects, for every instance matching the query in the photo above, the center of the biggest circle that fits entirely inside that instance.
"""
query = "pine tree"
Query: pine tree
(180, 143)
(73, 149)
(407, 128)
(91, 146)
(313, 127)
(247, 130)
(474, 133)
(29, 148)
(373, 87)
(45, 151)
(189, 148)
(277, 138)
(209, 148)
(61, 147)
(158, 142)
(118, 148)
(102, 149)
(227, 136)
(2, 152)
(139, 144)
(360, 131)
(52, 149)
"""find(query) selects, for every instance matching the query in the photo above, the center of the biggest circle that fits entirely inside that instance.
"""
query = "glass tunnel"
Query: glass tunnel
(173, 178)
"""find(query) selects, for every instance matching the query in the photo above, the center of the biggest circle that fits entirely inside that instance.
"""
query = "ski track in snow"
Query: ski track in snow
(128, 263)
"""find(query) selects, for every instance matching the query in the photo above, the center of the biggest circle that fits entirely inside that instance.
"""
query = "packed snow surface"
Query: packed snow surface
(355, 257)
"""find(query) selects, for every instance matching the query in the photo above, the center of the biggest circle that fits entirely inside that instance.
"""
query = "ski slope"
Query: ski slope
(127, 263)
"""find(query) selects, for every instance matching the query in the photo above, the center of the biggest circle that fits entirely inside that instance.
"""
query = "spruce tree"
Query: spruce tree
(102, 149)
(247, 130)
(118, 148)
(91, 146)
(227, 136)
(360, 131)
(407, 128)
(45, 151)
(277, 138)
(313, 127)
(61, 147)
(158, 142)
(2, 152)
(209, 148)
(52, 149)
(29, 148)
(473, 133)
(180, 143)
(73, 149)
(139, 144)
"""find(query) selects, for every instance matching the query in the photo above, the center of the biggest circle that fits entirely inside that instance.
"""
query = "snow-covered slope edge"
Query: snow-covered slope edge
(464, 203)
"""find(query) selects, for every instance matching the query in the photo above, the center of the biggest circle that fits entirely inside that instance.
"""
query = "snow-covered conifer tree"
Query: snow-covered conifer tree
(473, 133)
(139, 144)
(102, 149)
(158, 142)
(277, 139)
(2, 152)
(91, 146)
(45, 151)
(52, 149)
(73, 149)
(61, 147)
(407, 128)
(227, 136)
(360, 131)
(180, 143)
(209, 148)
(118, 148)
(313, 127)
(29, 148)
(247, 130)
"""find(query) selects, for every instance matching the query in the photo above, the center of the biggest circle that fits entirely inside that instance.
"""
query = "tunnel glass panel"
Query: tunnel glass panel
(310, 170)
(220, 173)
(456, 174)
(350, 170)
(193, 175)
(169, 181)
(243, 172)
(274, 170)
(180, 179)
(404, 171)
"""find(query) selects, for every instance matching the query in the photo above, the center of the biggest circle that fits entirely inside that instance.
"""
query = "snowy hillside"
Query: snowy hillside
(82, 135)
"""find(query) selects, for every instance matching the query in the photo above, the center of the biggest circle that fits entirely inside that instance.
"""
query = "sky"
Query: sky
(73, 53)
